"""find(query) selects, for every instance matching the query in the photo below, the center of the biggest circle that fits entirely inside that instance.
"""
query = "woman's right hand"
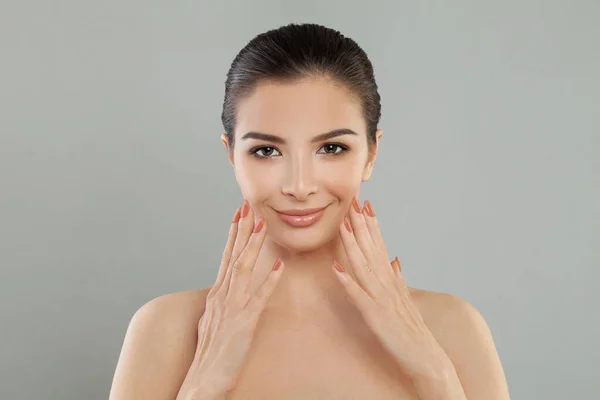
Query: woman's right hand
(227, 326)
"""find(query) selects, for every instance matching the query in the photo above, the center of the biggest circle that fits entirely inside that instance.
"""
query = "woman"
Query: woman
(306, 304)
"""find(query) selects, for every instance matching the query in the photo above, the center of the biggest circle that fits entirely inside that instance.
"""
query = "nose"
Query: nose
(299, 178)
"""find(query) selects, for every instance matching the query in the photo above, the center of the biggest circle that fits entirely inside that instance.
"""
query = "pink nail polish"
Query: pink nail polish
(245, 209)
(236, 216)
(356, 205)
(259, 225)
(369, 209)
(347, 224)
(338, 266)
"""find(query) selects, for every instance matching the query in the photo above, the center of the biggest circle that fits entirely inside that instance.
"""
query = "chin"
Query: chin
(302, 240)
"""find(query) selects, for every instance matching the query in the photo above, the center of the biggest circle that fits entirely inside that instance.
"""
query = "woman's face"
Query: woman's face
(285, 165)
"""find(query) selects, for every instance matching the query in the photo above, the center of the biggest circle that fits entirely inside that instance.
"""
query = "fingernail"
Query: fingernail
(355, 205)
(259, 225)
(398, 263)
(245, 209)
(347, 224)
(338, 266)
(277, 264)
(236, 216)
(369, 209)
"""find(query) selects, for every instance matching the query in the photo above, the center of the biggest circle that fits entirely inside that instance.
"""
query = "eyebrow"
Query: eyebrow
(276, 139)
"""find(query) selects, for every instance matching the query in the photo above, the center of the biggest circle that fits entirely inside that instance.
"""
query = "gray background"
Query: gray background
(115, 187)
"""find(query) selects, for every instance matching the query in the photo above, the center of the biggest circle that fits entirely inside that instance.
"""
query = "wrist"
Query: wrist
(204, 393)
(207, 389)
(440, 382)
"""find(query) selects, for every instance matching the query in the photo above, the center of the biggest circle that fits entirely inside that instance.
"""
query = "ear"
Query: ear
(225, 140)
(372, 156)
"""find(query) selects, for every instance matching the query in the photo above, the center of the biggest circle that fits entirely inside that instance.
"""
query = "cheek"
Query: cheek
(342, 180)
(251, 177)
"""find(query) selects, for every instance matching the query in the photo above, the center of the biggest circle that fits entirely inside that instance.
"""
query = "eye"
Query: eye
(333, 149)
(265, 152)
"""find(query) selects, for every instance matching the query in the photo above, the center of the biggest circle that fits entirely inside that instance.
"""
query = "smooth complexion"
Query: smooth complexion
(300, 147)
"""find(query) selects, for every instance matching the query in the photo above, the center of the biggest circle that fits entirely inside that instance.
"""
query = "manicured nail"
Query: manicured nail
(236, 216)
(277, 264)
(398, 263)
(259, 225)
(338, 266)
(355, 204)
(347, 224)
(369, 209)
(245, 209)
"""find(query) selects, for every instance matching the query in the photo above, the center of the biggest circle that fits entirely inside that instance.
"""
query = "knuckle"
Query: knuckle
(225, 259)
(237, 266)
(361, 227)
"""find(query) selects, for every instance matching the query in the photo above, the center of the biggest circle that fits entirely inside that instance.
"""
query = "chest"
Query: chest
(318, 362)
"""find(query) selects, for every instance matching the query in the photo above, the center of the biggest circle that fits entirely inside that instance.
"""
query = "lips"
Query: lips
(306, 211)
(301, 218)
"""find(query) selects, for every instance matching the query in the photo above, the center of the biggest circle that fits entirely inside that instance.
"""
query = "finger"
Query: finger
(360, 298)
(385, 274)
(226, 254)
(376, 262)
(245, 226)
(373, 227)
(361, 232)
(257, 303)
(398, 274)
(397, 266)
(358, 261)
(243, 267)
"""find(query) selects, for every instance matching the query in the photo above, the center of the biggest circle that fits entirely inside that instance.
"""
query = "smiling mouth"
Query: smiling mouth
(301, 218)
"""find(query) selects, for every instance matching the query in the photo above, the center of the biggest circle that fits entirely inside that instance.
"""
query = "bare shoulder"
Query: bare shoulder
(439, 309)
(465, 337)
(450, 318)
(159, 346)
(178, 306)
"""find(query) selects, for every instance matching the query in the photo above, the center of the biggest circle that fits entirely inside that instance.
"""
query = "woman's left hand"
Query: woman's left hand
(382, 296)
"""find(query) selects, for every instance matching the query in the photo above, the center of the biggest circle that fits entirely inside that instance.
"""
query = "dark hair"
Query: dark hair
(297, 51)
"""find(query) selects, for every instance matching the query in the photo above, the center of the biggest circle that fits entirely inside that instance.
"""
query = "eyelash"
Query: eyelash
(344, 149)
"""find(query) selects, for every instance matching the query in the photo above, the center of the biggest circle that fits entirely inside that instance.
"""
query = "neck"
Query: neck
(308, 283)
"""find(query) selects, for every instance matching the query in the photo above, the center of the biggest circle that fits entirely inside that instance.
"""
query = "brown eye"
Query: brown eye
(333, 149)
(265, 152)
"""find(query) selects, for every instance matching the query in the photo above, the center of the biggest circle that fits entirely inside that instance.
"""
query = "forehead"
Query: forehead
(304, 107)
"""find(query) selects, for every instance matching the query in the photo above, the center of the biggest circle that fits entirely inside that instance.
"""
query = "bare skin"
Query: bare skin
(310, 340)
(327, 355)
